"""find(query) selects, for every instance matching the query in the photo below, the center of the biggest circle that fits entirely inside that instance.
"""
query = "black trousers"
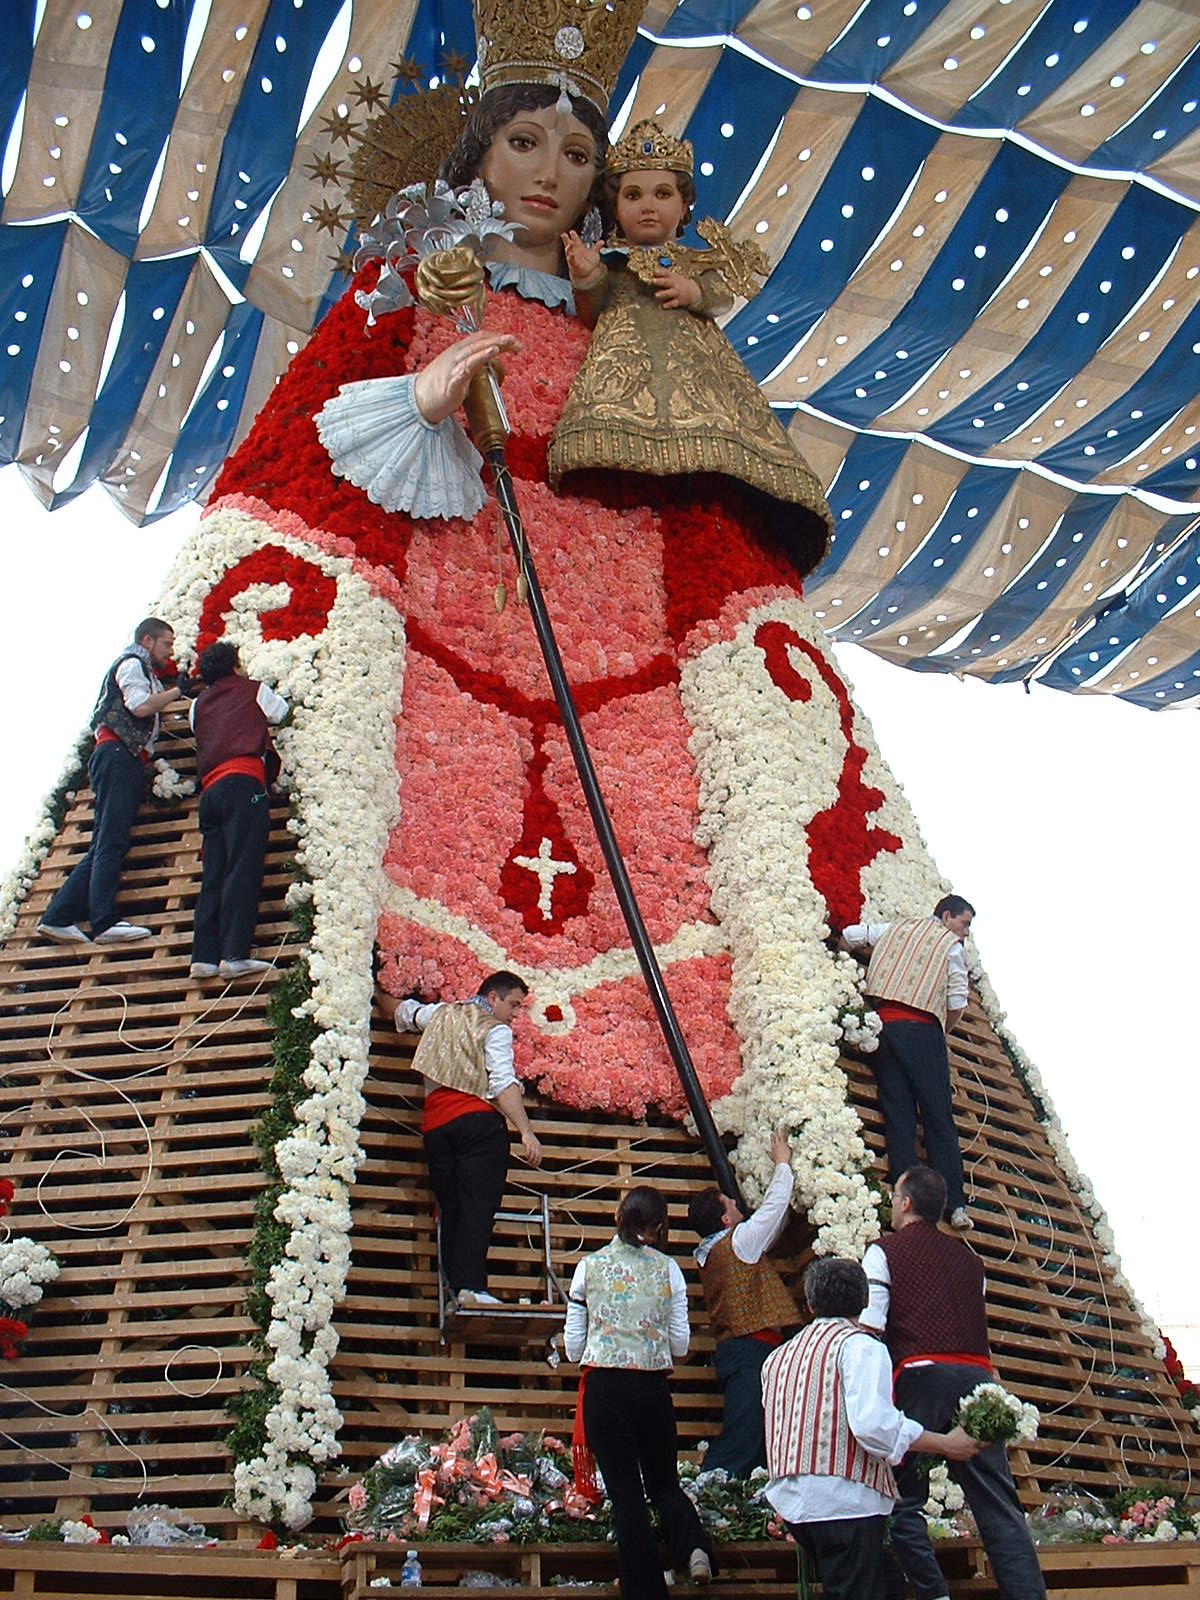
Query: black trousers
(912, 1073)
(630, 1425)
(848, 1553)
(89, 895)
(468, 1168)
(738, 1448)
(235, 823)
(930, 1395)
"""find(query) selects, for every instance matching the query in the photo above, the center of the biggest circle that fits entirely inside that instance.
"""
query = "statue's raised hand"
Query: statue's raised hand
(441, 387)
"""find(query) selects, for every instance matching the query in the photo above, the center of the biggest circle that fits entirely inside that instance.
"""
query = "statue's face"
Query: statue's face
(541, 166)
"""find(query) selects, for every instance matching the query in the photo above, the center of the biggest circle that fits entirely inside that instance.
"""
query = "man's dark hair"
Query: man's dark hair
(836, 1288)
(502, 983)
(154, 626)
(499, 107)
(954, 904)
(927, 1191)
(705, 1212)
(642, 1218)
(217, 662)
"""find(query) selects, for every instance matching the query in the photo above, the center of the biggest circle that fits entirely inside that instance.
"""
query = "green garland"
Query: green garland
(292, 1034)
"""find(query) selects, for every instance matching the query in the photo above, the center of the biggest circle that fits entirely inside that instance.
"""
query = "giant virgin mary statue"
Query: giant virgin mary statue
(351, 550)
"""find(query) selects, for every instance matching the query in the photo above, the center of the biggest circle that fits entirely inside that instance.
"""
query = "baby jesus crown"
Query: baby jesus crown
(647, 148)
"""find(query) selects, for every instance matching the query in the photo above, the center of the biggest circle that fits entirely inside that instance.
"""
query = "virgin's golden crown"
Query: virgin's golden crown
(647, 148)
(576, 46)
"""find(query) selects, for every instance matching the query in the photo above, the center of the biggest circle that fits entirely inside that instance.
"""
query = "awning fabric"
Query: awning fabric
(982, 323)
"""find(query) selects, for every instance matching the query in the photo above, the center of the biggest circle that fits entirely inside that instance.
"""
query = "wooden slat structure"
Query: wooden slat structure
(129, 1094)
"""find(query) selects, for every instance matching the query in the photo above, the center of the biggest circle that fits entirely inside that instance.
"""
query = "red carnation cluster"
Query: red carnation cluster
(1189, 1391)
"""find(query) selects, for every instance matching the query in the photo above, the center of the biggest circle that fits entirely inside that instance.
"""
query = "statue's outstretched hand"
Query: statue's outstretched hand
(582, 259)
(441, 387)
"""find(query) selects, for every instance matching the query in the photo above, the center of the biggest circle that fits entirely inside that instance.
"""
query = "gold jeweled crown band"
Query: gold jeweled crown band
(575, 46)
(647, 148)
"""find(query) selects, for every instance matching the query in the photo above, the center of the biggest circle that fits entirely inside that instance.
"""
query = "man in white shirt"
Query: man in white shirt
(472, 1097)
(917, 982)
(749, 1306)
(833, 1435)
(125, 722)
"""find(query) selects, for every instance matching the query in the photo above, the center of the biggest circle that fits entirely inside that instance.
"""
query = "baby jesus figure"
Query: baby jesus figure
(661, 390)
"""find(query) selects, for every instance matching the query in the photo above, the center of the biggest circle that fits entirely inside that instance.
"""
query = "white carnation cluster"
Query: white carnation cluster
(945, 1496)
(79, 1532)
(168, 784)
(339, 756)
(25, 1267)
(766, 766)
(860, 1025)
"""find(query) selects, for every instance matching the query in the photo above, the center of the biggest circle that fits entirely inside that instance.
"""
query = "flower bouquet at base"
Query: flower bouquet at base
(731, 1509)
(473, 1486)
(989, 1413)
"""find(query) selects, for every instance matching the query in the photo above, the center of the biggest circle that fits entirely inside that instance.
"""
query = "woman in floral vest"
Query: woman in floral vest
(626, 1321)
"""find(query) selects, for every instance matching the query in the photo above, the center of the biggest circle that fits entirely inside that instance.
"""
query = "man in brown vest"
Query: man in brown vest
(927, 1296)
(748, 1306)
(917, 982)
(472, 1097)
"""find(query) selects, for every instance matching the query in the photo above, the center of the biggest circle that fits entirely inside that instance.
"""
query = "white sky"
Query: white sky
(1064, 819)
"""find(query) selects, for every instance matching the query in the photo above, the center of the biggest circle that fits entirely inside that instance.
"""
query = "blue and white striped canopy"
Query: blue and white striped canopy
(982, 324)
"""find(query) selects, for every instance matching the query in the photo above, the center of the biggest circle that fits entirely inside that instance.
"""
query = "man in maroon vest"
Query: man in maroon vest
(748, 1303)
(833, 1435)
(231, 721)
(927, 1296)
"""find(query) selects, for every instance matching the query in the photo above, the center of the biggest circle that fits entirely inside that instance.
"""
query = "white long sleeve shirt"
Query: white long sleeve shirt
(866, 935)
(866, 1374)
(137, 682)
(497, 1050)
(754, 1237)
(575, 1331)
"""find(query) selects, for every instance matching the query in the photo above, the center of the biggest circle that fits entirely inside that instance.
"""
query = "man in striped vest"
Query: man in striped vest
(833, 1435)
(917, 982)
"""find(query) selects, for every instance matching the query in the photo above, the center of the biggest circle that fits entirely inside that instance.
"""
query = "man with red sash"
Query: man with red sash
(472, 1097)
(125, 722)
(833, 1435)
(917, 982)
(231, 721)
(927, 1297)
(748, 1303)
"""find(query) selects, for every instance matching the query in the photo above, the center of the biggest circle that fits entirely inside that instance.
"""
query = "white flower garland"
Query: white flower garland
(788, 989)
(339, 757)
(41, 836)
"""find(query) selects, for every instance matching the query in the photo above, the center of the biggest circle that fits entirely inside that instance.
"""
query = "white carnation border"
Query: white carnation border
(338, 754)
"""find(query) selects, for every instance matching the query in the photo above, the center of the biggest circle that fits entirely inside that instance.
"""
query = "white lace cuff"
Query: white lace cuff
(378, 439)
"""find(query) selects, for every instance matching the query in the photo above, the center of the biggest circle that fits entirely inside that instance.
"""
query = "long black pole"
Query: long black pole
(613, 860)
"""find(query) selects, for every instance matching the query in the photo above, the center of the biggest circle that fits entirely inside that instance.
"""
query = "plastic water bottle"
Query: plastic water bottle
(410, 1573)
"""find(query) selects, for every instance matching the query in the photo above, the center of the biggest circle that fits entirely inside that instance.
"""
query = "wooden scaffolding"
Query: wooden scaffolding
(129, 1095)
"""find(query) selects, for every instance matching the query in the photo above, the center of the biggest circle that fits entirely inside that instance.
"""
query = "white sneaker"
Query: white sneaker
(122, 933)
(204, 969)
(244, 968)
(477, 1297)
(960, 1221)
(68, 933)
(699, 1567)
